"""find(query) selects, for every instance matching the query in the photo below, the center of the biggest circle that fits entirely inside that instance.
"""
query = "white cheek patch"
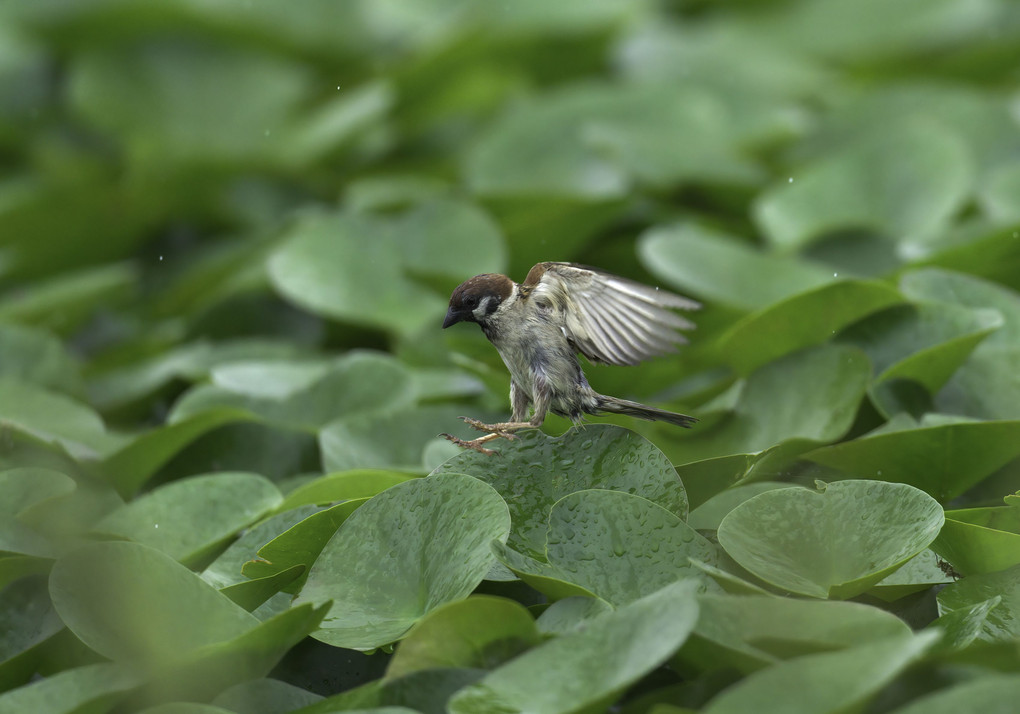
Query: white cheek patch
(480, 311)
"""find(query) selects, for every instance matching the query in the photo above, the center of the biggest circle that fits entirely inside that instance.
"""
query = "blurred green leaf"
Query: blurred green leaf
(985, 693)
(806, 319)
(717, 267)
(331, 264)
(94, 687)
(37, 357)
(189, 518)
(908, 180)
(125, 578)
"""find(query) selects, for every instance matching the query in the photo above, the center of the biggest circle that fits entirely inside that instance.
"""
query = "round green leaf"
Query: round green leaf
(187, 518)
(535, 471)
(836, 542)
(412, 548)
(138, 606)
(622, 547)
(587, 667)
(481, 632)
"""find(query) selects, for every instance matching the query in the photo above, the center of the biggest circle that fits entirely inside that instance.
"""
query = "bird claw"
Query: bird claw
(497, 429)
(473, 444)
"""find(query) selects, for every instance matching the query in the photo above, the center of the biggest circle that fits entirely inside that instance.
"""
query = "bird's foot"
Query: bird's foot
(503, 429)
(473, 444)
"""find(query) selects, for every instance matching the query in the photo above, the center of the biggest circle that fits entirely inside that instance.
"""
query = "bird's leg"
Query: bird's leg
(505, 430)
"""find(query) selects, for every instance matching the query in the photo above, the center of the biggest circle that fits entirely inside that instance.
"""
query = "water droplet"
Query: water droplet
(155, 525)
(790, 179)
(161, 259)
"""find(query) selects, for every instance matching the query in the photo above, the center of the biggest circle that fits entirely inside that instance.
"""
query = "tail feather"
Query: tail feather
(614, 405)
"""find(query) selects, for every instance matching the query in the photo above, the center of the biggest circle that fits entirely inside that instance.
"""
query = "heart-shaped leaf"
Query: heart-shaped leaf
(835, 542)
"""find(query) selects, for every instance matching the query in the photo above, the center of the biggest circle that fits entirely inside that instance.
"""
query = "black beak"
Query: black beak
(452, 318)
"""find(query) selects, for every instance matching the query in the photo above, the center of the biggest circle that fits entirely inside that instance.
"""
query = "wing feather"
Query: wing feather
(611, 319)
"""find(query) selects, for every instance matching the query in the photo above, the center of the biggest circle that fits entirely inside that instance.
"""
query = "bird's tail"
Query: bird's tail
(613, 405)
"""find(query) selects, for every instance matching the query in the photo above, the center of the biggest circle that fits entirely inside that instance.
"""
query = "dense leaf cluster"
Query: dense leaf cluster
(228, 231)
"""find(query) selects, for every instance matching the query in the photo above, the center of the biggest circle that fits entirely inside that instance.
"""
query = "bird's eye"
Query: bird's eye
(471, 301)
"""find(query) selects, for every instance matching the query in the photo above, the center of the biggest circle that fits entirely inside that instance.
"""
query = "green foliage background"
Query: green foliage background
(228, 231)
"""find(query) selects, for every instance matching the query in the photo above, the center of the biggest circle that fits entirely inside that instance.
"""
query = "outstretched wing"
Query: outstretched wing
(610, 319)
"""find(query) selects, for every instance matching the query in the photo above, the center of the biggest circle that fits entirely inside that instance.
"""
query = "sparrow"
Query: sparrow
(539, 327)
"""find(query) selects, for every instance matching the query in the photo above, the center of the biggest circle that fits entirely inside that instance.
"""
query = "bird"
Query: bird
(541, 325)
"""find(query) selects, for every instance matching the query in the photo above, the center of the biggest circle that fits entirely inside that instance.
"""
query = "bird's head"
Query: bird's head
(477, 299)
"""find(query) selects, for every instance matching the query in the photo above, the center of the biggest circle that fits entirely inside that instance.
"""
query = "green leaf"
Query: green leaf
(128, 468)
(752, 632)
(176, 102)
(535, 471)
(919, 573)
(94, 687)
(588, 667)
(343, 486)
(797, 401)
(209, 670)
(943, 460)
(905, 181)
(986, 386)
(104, 592)
(1003, 621)
(300, 544)
(358, 383)
(328, 265)
(428, 543)
(622, 547)
(827, 682)
(722, 269)
(226, 570)
(998, 196)
(360, 442)
(252, 594)
(709, 514)
(37, 357)
(836, 542)
(27, 619)
(539, 574)
(980, 540)
(961, 627)
(806, 319)
(480, 632)
(186, 519)
(21, 489)
(994, 693)
(265, 696)
(571, 614)
(54, 418)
